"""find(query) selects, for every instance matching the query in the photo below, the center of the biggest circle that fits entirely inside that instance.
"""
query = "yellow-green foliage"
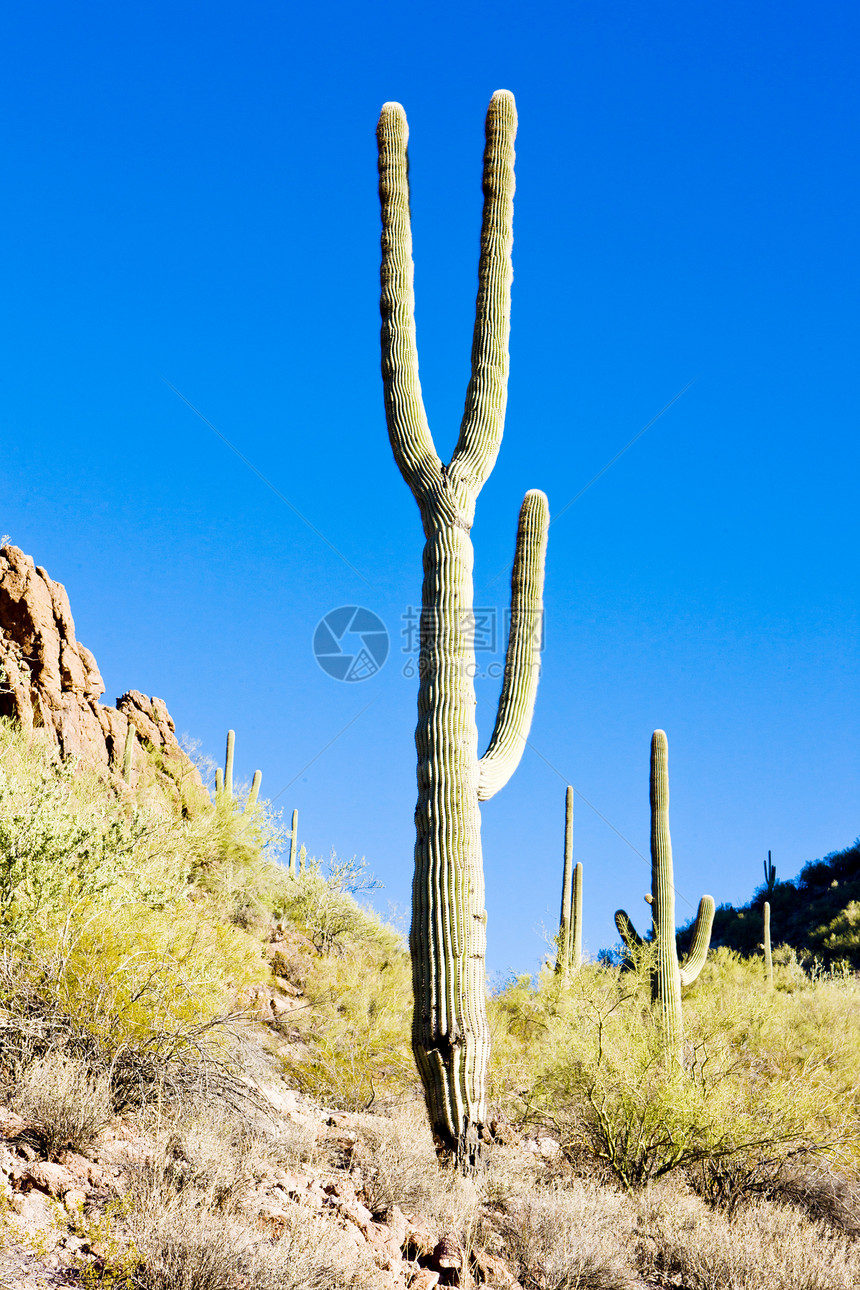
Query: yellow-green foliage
(134, 927)
(354, 1029)
(764, 1073)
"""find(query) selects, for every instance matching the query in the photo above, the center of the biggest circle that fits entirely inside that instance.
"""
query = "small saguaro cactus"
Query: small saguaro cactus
(769, 874)
(768, 956)
(224, 779)
(450, 1033)
(294, 834)
(228, 764)
(254, 792)
(128, 754)
(668, 975)
(569, 956)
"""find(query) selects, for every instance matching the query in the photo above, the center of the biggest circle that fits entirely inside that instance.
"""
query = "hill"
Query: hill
(816, 914)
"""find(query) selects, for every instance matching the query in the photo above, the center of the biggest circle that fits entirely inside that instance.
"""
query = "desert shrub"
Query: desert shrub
(110, 945)
(801, 1179)
(765, 1075)
(354, 1030)
(763, 1247)
(67, 1101)
(571, 1239)
(190, 1227)
(395, 1161)
(322, 903)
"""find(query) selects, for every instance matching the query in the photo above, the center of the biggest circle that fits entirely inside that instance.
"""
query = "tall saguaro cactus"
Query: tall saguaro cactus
(569, 957)
(668, 975)
(450, 1035)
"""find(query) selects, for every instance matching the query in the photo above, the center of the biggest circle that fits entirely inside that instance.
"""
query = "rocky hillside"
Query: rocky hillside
(49, 681)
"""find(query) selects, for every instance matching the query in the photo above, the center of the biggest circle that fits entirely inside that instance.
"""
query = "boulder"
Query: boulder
(49, 681)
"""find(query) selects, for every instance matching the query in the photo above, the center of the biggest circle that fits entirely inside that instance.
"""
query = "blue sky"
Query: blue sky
(190, 198)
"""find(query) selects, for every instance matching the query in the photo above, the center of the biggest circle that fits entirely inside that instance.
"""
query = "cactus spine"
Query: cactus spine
(450, 1035)
(569, 956)
(669, 975)
(768, 957)
(294, 833)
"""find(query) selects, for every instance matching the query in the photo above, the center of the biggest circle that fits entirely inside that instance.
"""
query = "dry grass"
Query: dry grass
(577, 1238)
(68, 1103)
(765, 1246)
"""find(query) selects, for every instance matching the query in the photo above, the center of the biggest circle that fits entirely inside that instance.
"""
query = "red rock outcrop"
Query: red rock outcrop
(50, 681)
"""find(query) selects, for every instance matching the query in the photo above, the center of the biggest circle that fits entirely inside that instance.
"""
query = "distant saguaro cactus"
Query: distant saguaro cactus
(224, 780)
(294, 834)
(450, 1035)
(569, 956)
(228, 764)
(128, 753)
(669, 975)
(769, 874)
(255, 789)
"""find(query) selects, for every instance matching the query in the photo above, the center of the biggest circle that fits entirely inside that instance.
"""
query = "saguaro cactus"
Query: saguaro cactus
(669, 975)
(769, 874)
(569, 956)
(768, 956)
(228, 764)
(294, 834)
(254, 791)
(128, 753)
(450, 1035)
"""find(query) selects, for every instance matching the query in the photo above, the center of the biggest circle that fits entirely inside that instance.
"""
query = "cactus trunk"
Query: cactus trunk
(255, 789)
(666, 988)
(294, 833)
(128, 754)
(450, 1034)
(562, 960)
(228, 764)
(768, 957)
(576, 934)
(668, 975)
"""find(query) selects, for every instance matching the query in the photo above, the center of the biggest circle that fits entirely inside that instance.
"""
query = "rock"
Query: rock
(447, 1254)
(494, 1271)
(74, 1201)
(49, 681)
(424, 1279)
(52, 1178)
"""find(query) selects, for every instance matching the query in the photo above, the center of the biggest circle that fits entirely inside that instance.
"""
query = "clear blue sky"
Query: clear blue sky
(190, 197)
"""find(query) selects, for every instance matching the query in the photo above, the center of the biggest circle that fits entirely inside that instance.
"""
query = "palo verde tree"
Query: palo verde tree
(450, 1034)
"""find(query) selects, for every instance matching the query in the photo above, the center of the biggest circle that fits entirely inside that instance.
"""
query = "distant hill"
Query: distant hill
(818, 913)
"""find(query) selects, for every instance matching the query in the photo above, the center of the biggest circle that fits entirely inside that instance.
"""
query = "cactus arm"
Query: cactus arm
(408, 430)
(563, 956)
(522, 660)
(667, 977)
(627, 931)
(228, 764)
(219, 785)
(486, 397)
(294, 833)
(695, 960)
(255, 789)
(768, 956)
(576, 937)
